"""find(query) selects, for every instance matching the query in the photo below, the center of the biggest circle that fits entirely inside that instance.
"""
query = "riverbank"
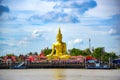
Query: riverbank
(54, 64)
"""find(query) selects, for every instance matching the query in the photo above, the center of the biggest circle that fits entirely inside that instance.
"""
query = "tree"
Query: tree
(105, 57)
(35, 53)
(76, 52)
(87, 52)
(98, 53)
(112, 55)
(47, 51)
(30, 53)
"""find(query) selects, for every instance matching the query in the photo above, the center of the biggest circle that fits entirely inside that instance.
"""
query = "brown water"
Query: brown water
(59, 74)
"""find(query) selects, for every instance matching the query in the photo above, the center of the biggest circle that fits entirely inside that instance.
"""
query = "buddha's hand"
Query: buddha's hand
(51, 54)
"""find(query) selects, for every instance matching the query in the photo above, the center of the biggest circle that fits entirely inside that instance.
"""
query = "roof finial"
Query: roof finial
(59, 33)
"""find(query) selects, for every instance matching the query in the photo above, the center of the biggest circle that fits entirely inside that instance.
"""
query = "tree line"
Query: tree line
(98, 53)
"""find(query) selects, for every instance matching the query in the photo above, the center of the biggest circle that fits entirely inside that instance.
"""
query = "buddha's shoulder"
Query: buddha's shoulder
(63, 43)
(56, 43)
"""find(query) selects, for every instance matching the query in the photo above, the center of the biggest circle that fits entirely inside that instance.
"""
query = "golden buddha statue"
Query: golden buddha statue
(58, 49)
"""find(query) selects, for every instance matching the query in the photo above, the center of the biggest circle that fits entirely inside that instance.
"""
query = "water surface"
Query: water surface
(59, 74)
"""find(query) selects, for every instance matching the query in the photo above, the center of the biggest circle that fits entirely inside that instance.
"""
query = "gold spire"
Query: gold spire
(59, 33)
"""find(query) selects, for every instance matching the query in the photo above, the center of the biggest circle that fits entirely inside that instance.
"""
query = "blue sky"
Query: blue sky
(31, 25)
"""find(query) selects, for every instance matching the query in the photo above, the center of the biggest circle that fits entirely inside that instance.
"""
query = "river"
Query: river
(59, 74)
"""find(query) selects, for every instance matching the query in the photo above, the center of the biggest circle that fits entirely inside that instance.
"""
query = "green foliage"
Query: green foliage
(47, 51)
(30, 53)
(105, 57)
(35, 53)
(110, 55)
(2, 57)
(87, 51)
(98, 52)
(9, 54)
(76, 52)
(113, 55)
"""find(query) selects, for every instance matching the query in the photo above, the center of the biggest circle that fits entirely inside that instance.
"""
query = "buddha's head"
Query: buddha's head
(59, 36)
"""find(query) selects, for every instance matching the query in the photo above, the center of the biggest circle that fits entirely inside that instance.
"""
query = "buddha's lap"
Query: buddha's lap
(59, 56)
(65, 56)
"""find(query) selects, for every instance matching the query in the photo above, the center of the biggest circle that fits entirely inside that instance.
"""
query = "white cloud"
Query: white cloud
(41, 33)
(105, 9)
(37, 33)
(112, 31)
(24, 41)
(26, 8)
(33, 5)
(65, 11)
(77, 41)
(74, 43)
(7, 43)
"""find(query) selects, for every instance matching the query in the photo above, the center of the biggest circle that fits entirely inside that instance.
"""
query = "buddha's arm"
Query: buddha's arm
(53, 49)
(64, 49)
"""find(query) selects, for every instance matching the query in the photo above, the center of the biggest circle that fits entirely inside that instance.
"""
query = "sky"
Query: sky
(31, 25)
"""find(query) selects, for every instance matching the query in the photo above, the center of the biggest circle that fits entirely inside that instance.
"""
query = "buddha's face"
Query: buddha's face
(59, 39)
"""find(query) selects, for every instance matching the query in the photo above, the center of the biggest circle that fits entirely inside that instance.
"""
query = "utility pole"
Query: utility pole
(109, 62)
(90, 44)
